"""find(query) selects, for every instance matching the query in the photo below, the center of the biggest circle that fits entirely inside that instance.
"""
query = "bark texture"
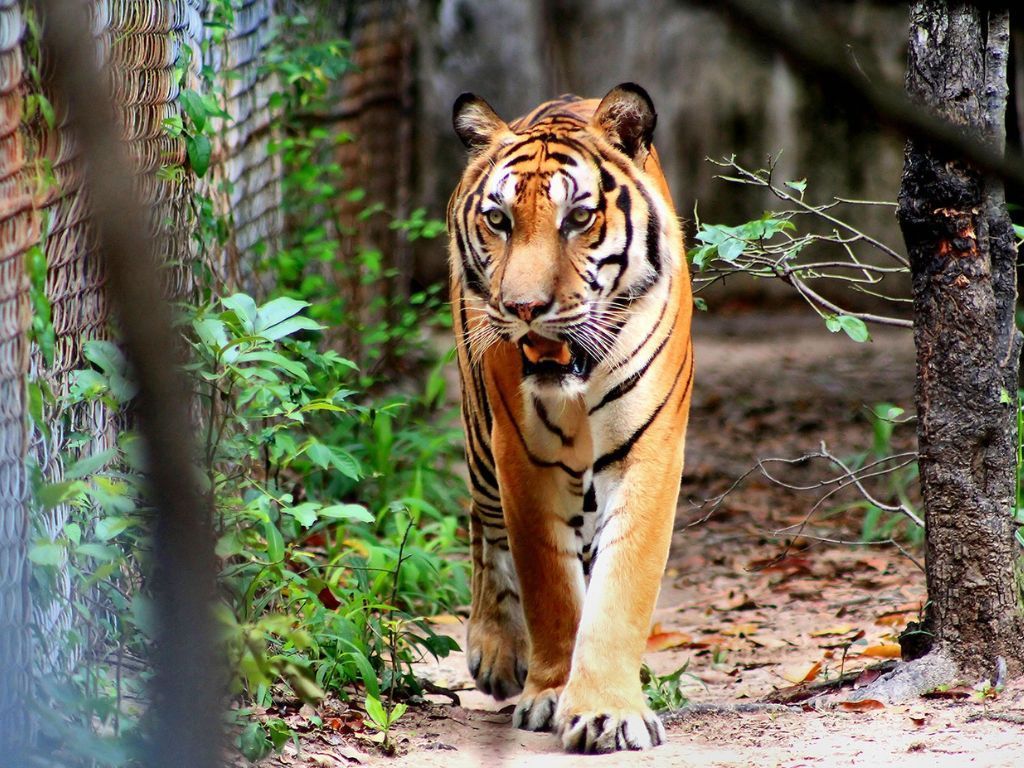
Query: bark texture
(963, 257)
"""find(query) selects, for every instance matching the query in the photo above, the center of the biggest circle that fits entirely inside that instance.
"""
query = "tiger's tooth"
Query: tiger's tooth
(537, 348)
(531, 354)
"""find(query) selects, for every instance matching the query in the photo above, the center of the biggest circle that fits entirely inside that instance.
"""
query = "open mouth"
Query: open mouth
(552, 358)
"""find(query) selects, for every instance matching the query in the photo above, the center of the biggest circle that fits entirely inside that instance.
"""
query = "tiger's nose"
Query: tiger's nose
(527, 310)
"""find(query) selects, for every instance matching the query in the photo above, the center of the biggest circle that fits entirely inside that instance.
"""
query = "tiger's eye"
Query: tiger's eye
(580, 217)
(497, 220)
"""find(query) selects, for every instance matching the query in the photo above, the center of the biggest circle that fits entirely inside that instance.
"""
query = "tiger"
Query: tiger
(571, 306)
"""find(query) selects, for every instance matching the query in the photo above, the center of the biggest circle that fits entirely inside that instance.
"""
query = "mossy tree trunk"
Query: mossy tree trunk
(963, 256)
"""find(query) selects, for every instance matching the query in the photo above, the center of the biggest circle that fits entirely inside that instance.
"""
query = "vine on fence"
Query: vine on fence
(335, 512)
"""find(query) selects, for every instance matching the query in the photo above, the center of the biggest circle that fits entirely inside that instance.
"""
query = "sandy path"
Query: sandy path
(766, 385)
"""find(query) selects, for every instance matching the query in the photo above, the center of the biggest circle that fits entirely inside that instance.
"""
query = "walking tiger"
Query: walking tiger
(572, 306)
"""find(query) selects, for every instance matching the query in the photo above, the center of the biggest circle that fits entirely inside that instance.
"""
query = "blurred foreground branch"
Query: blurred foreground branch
(185, 728)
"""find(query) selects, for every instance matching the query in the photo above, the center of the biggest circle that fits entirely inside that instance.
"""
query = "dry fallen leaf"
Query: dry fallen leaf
(882, 651)
(444, 618)
(866, 677)
(663, 640)
(771, 643)
(918, 715)
(740, 602)
(802, 673)
(896, 618)
(741, 630)
(863, 705)
(840, 629)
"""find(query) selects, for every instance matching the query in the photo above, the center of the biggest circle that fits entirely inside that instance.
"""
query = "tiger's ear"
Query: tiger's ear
(475, 122)
(627, 118)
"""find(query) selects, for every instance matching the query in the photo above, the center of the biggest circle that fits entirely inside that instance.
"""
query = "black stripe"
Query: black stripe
(542, 414)
(618, 454)
(653, 235)
(627, 384)
(623, 203)
(562, 158)
(590, 500)
(607, 180)
(649, 335)
(521, 158)
(534, 459)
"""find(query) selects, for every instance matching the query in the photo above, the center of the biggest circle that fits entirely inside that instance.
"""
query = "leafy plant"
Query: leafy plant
(665, 692)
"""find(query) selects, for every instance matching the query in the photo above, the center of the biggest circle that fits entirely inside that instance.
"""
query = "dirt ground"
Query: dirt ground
(751, 606)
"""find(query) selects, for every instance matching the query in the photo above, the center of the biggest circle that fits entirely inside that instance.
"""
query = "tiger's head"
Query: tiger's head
(558, 229)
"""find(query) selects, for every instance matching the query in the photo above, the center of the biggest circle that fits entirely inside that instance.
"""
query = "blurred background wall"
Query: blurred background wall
(716, 94)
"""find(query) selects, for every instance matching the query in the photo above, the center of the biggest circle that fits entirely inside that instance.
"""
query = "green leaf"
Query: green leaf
(347, 512)
(52, 494)
(211, 333)
(347, 464)
(74, 533)
(731, 249)
(48, 553)
(90, 465)
(320, 454)
(106, 355)
(273, 312)
(832, 323)
(293, 367)
(290, 326)
(305, 514)
(799, 185)
(1004, 397)
(396, 712)
(365, 670)
(98, 551)
(109, 527)
(199, 151)
(213, 109)
(47, 111)
(275, 542)
(244, 308)
(253, 742)
(192, 104)
(375, 711)
(700, 304)
(855, 328)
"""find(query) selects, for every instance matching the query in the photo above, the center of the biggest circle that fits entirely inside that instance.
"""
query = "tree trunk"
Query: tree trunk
(963, 255)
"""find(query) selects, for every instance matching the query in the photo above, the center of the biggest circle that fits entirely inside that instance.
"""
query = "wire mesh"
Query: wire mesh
(246, 179)
(142, 42)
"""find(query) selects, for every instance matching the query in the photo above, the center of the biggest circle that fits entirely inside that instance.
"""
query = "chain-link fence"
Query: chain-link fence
(152, 50)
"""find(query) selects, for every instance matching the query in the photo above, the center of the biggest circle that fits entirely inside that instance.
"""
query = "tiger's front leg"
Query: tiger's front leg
(603, 707)
(543, 504)
(496, 641)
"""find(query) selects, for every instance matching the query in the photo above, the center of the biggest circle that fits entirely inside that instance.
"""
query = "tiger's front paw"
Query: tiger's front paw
(592, 727)
(496, 654)
(536, 709)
